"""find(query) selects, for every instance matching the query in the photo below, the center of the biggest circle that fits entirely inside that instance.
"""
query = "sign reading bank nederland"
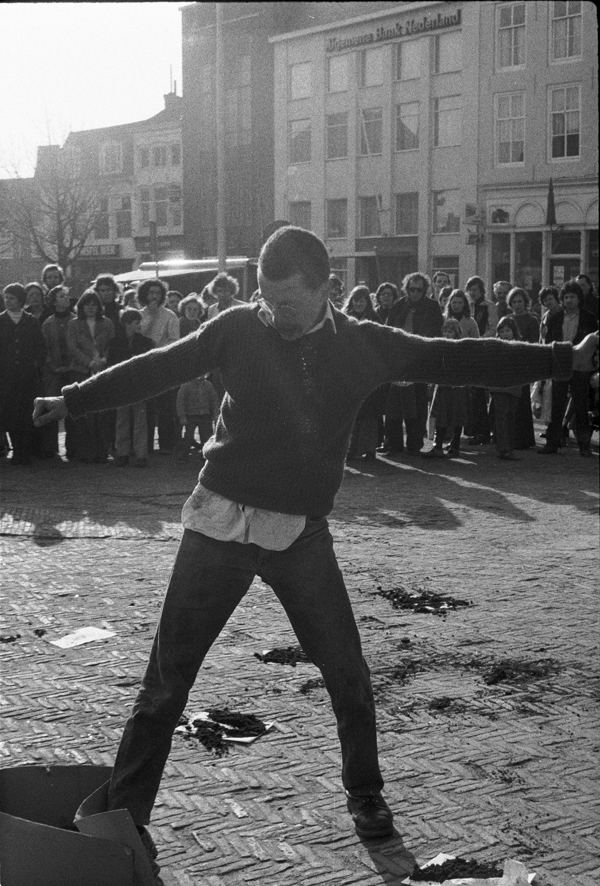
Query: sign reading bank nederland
(408, 28)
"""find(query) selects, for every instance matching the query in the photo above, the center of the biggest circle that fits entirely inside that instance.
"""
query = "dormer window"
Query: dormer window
(111, 158)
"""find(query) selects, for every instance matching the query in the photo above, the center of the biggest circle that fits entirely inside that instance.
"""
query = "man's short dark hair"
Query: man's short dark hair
(416, 277)
(18, 290)
(572, 286)
(129, 315)
(144, 289)
(106, 280)
(546, 291)
(292, 250)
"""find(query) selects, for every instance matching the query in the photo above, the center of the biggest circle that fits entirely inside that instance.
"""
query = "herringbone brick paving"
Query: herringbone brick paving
(485, 770)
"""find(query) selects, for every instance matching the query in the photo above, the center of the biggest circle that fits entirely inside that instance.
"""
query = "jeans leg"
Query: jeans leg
(307, 580)
(208, 581)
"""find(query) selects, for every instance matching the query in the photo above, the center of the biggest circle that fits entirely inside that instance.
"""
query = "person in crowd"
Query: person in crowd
(336, 290)
(506, 399)
(385, 296)
(225, 289)
(22, 355)
(359, 304)
(550, 303)
(365, 432)
(162, 326)
(191, 310)
(207, 299)
(572, 323)
(500, 292)
(485, 315)
(108, 289)
(89, 336)
(445, 294)
(529, 330)
(458, 308)
(129, 299)
(37, 304)
(56, 373)
(541, 392)
(440, 281)
(131, 432)
(448, 406)
(53, 275)
(418, 314)
(173, 301)
(297, 371)
(590, 296)
(197, 407)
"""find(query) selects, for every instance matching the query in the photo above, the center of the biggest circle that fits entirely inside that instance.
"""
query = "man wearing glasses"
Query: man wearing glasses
(420, 315)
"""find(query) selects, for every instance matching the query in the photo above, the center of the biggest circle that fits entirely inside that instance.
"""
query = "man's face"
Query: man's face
(474, 292)
(12, 303)
(293, 306)
(52, 279)
(415, 290)
(502, 293)
(439, 282)
(550, 303)
(518, 304)
(571, 302)
(106, 293)
(584, 285)
(386, 299)
(62, 301)
(173, 303)
(222, 294)
(135, 326)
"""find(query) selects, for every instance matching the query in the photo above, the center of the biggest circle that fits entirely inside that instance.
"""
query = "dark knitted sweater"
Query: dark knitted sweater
(285, 421)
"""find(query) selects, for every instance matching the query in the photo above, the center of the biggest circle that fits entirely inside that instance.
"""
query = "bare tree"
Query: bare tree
(56, 211)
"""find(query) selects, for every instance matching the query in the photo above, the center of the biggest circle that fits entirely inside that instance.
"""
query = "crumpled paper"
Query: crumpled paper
(514, 874)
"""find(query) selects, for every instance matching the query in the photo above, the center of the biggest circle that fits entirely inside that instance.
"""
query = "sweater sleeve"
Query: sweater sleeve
(149, 374)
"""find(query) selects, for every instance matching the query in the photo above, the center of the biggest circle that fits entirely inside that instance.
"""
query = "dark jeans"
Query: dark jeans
(208, 581)
(479, 411)
(578, 387)
(160, 412)
(505, 412)
(416, 427)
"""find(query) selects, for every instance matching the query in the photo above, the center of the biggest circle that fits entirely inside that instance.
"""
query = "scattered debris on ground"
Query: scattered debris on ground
(425, 601)
(454, 868)
(10, 638)
(216, 727)
(519, 671)
(309, 685)
(289, 655)
(440, 704)
(39, 632)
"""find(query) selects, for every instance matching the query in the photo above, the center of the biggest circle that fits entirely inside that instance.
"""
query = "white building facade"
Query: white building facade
(423, 137)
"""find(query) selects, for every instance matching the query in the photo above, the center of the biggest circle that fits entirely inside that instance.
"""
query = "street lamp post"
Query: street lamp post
(220, 108)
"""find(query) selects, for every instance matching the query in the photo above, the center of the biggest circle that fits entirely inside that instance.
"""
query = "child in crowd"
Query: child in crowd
(448, 406)
(197, 407)
(506, 400)
(131, 426)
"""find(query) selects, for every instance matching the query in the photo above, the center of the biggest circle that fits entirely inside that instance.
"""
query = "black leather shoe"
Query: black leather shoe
(371, 815)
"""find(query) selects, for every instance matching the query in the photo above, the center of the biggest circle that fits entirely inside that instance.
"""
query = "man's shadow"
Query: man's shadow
(391, 858)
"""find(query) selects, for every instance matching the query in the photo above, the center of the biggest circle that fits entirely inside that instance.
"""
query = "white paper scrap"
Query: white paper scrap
(515, 874)
(83, 635)
(203, 715)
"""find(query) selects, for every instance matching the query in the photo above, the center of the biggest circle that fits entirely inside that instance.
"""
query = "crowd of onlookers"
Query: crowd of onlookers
(49, 340)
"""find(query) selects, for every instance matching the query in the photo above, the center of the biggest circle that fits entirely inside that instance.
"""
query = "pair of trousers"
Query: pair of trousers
(205, 429)
(505, 413)
(131, 431)
(209, 579)
(578, 387)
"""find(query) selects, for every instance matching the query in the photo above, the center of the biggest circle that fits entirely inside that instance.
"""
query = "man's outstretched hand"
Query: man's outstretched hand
(585, 354)
(47, 409)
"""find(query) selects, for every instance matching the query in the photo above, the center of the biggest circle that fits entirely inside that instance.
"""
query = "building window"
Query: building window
(371, 67)
(300, 80)
(408, 60)
(566, 30)
(371, 131)
(124, 218)
(510, 47)
(407, 126)
(565, 124)
(447, 121)
(111, 158)
(101, 227)
(175, 205)
(447, 52)
(369, 224)
(337, 73)
(299, 141)
(144, 158)
(145, 207)
(446, 212)
(510, 128)
(337, 135)
(175, 155)
(159, 155)
(407, 213)
(300, 214)
(337, 219)
(161, 205)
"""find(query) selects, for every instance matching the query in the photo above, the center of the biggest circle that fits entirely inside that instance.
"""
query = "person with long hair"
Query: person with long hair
(359, 304)
(528, 325)
(386, 295)
(458, 308)
(57, 366)
(506, 400)
(448, 406)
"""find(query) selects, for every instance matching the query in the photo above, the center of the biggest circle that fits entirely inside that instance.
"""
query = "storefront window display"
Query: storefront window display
(528, 262)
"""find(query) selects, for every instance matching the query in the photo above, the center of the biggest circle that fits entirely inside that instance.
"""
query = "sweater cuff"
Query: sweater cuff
(562, 361)
(72, 397)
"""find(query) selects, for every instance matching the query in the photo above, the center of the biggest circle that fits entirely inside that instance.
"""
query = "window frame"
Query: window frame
(413, 116)
(328, 205)
(328, 130)
(332, 59)
(551, 90)
(364, 141)
(124, 214)
(103, 218)
(363, 67)
(436, 121)
(291, 160)
(436, 53)
(398, 48)
(513, 27)
(105, 148)
(561, 60)
(497, 121)
(434, 214)
(414, 210)
(364, 213)
(291, 69)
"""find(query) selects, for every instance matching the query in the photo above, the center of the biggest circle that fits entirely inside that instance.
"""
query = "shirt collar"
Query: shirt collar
(265, 318)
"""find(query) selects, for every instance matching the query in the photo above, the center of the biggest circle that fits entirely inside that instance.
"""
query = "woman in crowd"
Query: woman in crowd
(458, 308)
(36, 304)
(448, 406)
(56, 368)
(22, 353)
(190, 309)
(444, 297)
(89, 336)
(359, 304)
(529, 330)
(590, 296)
(385, 297)
(506, 400)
